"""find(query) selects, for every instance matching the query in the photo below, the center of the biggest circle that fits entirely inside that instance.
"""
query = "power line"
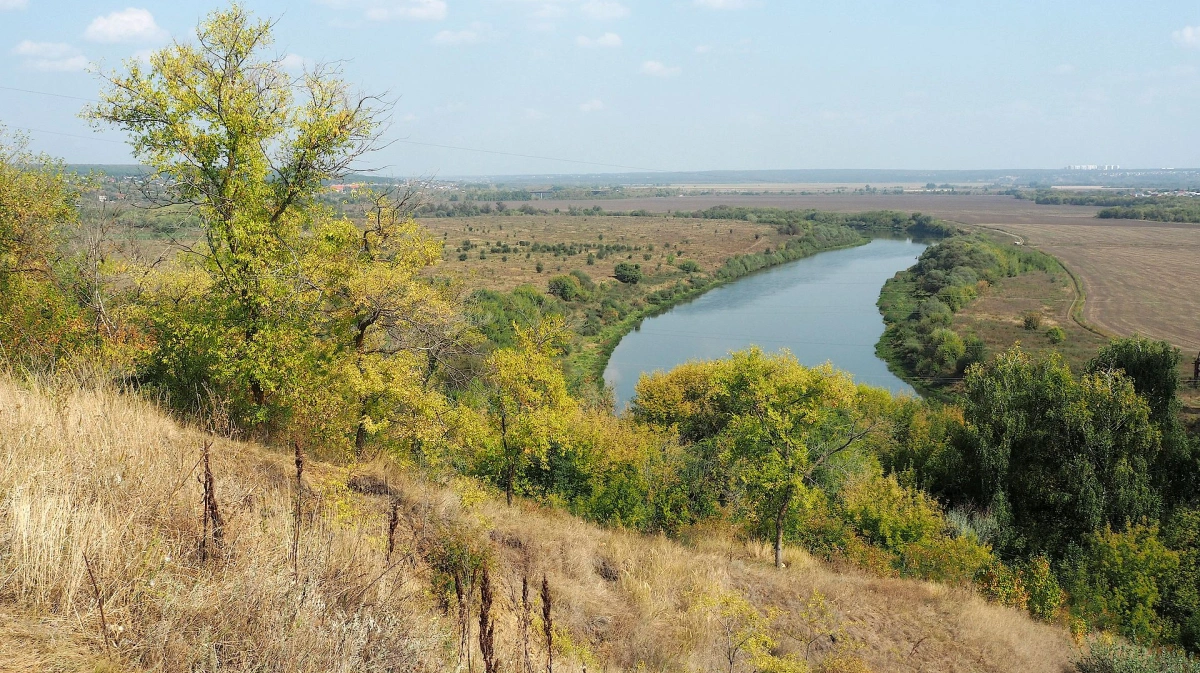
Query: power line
(406, 142)
(47, 93)
(69, 135)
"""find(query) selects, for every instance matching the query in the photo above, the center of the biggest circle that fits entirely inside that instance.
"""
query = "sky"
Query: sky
(679, 85)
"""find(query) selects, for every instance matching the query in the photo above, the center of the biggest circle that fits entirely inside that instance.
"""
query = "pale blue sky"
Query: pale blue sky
(687, 84)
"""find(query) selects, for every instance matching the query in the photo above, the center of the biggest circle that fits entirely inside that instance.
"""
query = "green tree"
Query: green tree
(38, 317)
(1056, 457)
(530, 406)
(628, 272)
(247, 146)
(774, 424)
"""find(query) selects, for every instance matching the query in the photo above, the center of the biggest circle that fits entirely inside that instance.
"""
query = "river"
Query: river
(821, 308)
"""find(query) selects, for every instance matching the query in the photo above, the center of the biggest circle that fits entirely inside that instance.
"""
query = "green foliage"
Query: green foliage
(1032, 321)
(688, 265)
(41, 319)
(1046, 597)
(567, 288)
(1056, 335)
(627, 272)
(1054, 456)
(1152, 365)
(1117, 582)
(1107, 656)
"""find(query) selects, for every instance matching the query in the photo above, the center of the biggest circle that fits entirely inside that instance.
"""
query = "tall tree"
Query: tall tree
(247, 147)
(528, 396)
(1057, 457)
(37, 211)
(774, 426)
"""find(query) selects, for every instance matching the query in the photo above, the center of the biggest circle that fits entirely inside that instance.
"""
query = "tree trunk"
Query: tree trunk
(511, 472)
(780, 514)
(360, 438)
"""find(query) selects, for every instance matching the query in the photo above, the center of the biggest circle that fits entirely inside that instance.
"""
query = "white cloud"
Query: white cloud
(128, 25)
(535, 115)
(475, 33)
(659, 69)
(388, 10)
(13, 4)
(1065, 69)
(50, 56)
(604, 9)
(605, 40)
(407, 118)
(703, 48)
(723, 4)
(296, 63)
(592, 106)
(1188, 36)
(409, 10)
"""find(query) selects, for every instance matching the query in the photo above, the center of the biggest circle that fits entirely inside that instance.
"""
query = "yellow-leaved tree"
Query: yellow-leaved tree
(528, 396)
(38, 319)
(281, 313)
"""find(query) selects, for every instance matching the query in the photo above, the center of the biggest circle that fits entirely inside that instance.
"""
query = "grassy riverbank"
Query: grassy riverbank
(971, 296)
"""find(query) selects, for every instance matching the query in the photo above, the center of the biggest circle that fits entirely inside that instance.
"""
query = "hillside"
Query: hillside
(103, 480)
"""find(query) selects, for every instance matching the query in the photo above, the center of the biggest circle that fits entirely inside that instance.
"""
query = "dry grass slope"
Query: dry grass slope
(109, 479)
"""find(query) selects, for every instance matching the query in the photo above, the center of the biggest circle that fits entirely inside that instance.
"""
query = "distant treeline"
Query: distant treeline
(1164, 208)
(797, 221)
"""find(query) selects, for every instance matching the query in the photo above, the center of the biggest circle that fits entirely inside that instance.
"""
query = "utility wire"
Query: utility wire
(406, 142)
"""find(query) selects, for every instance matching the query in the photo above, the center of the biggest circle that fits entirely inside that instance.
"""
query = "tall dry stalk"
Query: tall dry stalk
(99, 602)
(547, 624)
(212, 519)
(487, 624)
(296, 517)
(526, 620)
(393, 522)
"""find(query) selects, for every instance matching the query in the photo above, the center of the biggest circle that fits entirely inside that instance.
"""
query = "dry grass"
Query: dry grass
(104, 475)
(707, 242)
(110, 478)
(996, 317)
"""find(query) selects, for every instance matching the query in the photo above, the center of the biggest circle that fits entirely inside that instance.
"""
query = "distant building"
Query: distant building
(541, 194)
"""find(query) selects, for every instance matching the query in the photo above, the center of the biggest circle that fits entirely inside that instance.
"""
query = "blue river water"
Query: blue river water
(821, 308)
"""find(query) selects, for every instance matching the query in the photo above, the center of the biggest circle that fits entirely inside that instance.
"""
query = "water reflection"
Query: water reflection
(821, 308)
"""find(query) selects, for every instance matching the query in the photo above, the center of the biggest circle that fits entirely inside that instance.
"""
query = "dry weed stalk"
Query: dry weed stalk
(526, 620)
(393, 522)
(547, 624)
(296, 517)
(212, 519)
(99, 602)
(487, 624)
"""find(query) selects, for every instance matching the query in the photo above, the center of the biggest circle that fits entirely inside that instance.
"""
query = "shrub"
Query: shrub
(1117, 582)
(628, 273)
(1056, 335)
(1109, 657)
(1032, 320)
(688, 266)
(462, 256)
(566, 288)
(539, 267)
(1003, 585)
(1046, 597)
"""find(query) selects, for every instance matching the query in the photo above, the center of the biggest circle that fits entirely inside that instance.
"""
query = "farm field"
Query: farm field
(707, 242)
(1138, 276)
(997, 317)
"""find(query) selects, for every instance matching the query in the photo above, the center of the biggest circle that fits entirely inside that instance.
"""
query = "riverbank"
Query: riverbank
(592, 363)
(973, 295)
